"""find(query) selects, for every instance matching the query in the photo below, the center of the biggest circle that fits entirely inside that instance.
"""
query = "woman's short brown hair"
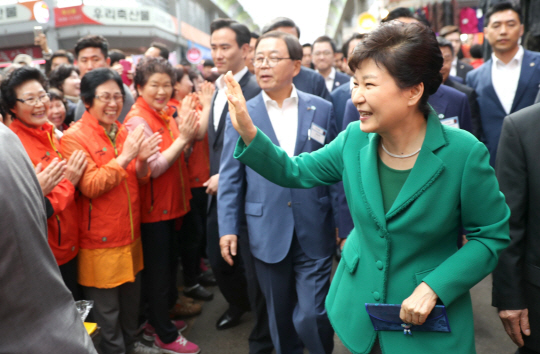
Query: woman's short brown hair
(409, 52)
(148, 66)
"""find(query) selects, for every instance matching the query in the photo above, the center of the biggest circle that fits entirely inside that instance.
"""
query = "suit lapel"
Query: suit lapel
(211, 131)
(261, 119)
(369, 177)
(305, 118)
(527, 69)
(426, 169)
(490, 90)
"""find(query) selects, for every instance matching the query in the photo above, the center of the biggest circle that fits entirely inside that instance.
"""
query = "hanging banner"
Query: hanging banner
(145, 16)
(21, 12)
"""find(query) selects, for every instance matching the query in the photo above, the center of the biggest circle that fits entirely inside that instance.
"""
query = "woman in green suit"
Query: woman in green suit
(410, 183)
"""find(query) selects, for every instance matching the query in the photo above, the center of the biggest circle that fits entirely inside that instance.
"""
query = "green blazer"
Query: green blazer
(387, 255)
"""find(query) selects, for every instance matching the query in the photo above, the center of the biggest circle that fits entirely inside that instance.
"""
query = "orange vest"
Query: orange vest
(167, 196)
(62, 228)
(112, 219)
(198, 163)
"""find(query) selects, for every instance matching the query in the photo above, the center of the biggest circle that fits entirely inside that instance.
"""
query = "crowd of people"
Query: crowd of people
(391, 155)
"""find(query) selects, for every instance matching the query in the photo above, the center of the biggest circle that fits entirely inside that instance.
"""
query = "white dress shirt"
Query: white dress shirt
(221, 97)
(505, 78)
(329, 81)
(284, 120)
(453, 69)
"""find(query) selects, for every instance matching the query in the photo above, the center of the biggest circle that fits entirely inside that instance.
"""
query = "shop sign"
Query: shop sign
(116, 16)
(21, 12)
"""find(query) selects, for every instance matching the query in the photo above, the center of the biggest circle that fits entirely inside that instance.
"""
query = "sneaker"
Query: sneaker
(140, 348)
(149, 331)
(180, 346)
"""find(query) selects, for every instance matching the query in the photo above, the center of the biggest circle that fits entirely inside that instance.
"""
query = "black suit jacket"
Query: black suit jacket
(250, 89)
(462, 69)
(476, 122)
(341, 79)
(310, 81)
(518, 171)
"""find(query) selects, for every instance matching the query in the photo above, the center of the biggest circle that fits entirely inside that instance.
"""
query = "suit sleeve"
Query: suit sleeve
(307, 170)
(231, 188)
(475, 115)
(465, 115)
(487, 224)
(335, 189)
(351, 114)
(512, 174)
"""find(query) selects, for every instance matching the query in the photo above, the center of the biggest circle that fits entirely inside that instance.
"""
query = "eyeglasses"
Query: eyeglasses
(107, 97)
(258, 62)
(32, 101)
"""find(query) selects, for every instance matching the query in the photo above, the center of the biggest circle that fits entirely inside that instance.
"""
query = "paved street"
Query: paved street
(490, 335)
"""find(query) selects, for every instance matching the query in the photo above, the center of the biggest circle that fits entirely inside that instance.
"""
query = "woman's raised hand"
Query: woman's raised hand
(51, 175)
(189, 103)
(416, 308)
(206, 93)
(76, 166)
(240, 118)
(189, 126)
(132, 146)
(149, 147)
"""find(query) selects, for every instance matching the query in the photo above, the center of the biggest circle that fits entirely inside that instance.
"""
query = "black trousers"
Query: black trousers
(69, 275)
(159, 275)
(231, 279)
(192, 236)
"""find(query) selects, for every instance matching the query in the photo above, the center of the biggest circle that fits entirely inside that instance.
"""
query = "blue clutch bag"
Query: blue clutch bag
(385, 317)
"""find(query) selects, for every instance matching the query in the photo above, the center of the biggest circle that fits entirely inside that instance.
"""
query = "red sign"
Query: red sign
(72, 16)
(7, 55)
(194, 55)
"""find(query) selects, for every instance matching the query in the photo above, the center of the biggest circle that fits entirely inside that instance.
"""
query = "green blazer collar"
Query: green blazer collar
(425, 171)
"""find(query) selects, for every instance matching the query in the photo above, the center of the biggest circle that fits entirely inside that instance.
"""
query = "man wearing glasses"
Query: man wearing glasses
(324, 51)
(291, 231)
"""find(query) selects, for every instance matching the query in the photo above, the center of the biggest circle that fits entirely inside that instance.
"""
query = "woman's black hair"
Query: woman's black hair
(15, 79)
(116, 55)
(56, 94)
(92, 79)
(148, 66)
(60, 74)
(409, 52)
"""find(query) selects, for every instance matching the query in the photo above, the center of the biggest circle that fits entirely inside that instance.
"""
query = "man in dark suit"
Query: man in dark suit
(307, 80)
(508, 81)
(448, 56)
(342, 93)
(290, 230)
(230, 46)
(516, 280)
(458, 68)
(323, 57)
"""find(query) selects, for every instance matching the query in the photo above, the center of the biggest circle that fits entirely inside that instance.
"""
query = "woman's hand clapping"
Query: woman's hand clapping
(132, 146)
(51, 175)
(206, 93)
(76, 166)
(149, 147)
(189, 126)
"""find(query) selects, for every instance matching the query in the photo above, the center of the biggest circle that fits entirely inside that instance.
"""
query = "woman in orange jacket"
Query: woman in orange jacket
(193, 231)
(164, 199)
(110, 256)
(24, 94)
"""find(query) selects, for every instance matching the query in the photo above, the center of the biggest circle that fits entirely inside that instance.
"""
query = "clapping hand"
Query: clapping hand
(149, 147)
(132, 146)
(51, 175)
(240, 118)
(76, 166)
(206, 93)
(189, 103)
(189, 126)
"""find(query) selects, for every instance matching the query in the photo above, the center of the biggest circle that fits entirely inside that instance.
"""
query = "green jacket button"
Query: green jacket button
(164, 211)
(379, 265)
(376, 296)
(104, 239)
(72, 248)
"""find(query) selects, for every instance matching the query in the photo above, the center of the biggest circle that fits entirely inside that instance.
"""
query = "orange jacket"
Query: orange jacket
(62, 228)
(198, 163)
(109, 205)
(167, 196)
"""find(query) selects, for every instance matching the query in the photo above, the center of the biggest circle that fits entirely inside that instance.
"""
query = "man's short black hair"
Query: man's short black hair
(345, 47)
(163, 50)
(325, 39)
(116, 55)
(280, 22)
(305, 45)
(243, 34)
(208, 62)
(397, 13)
(477, 52)
(92, 41)
(502, 6)
(443, 42)
(92, 79)
(255, 35)
(293, 45)
(63, 54)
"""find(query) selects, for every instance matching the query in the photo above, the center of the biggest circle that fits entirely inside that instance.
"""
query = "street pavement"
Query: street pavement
(490, 335)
